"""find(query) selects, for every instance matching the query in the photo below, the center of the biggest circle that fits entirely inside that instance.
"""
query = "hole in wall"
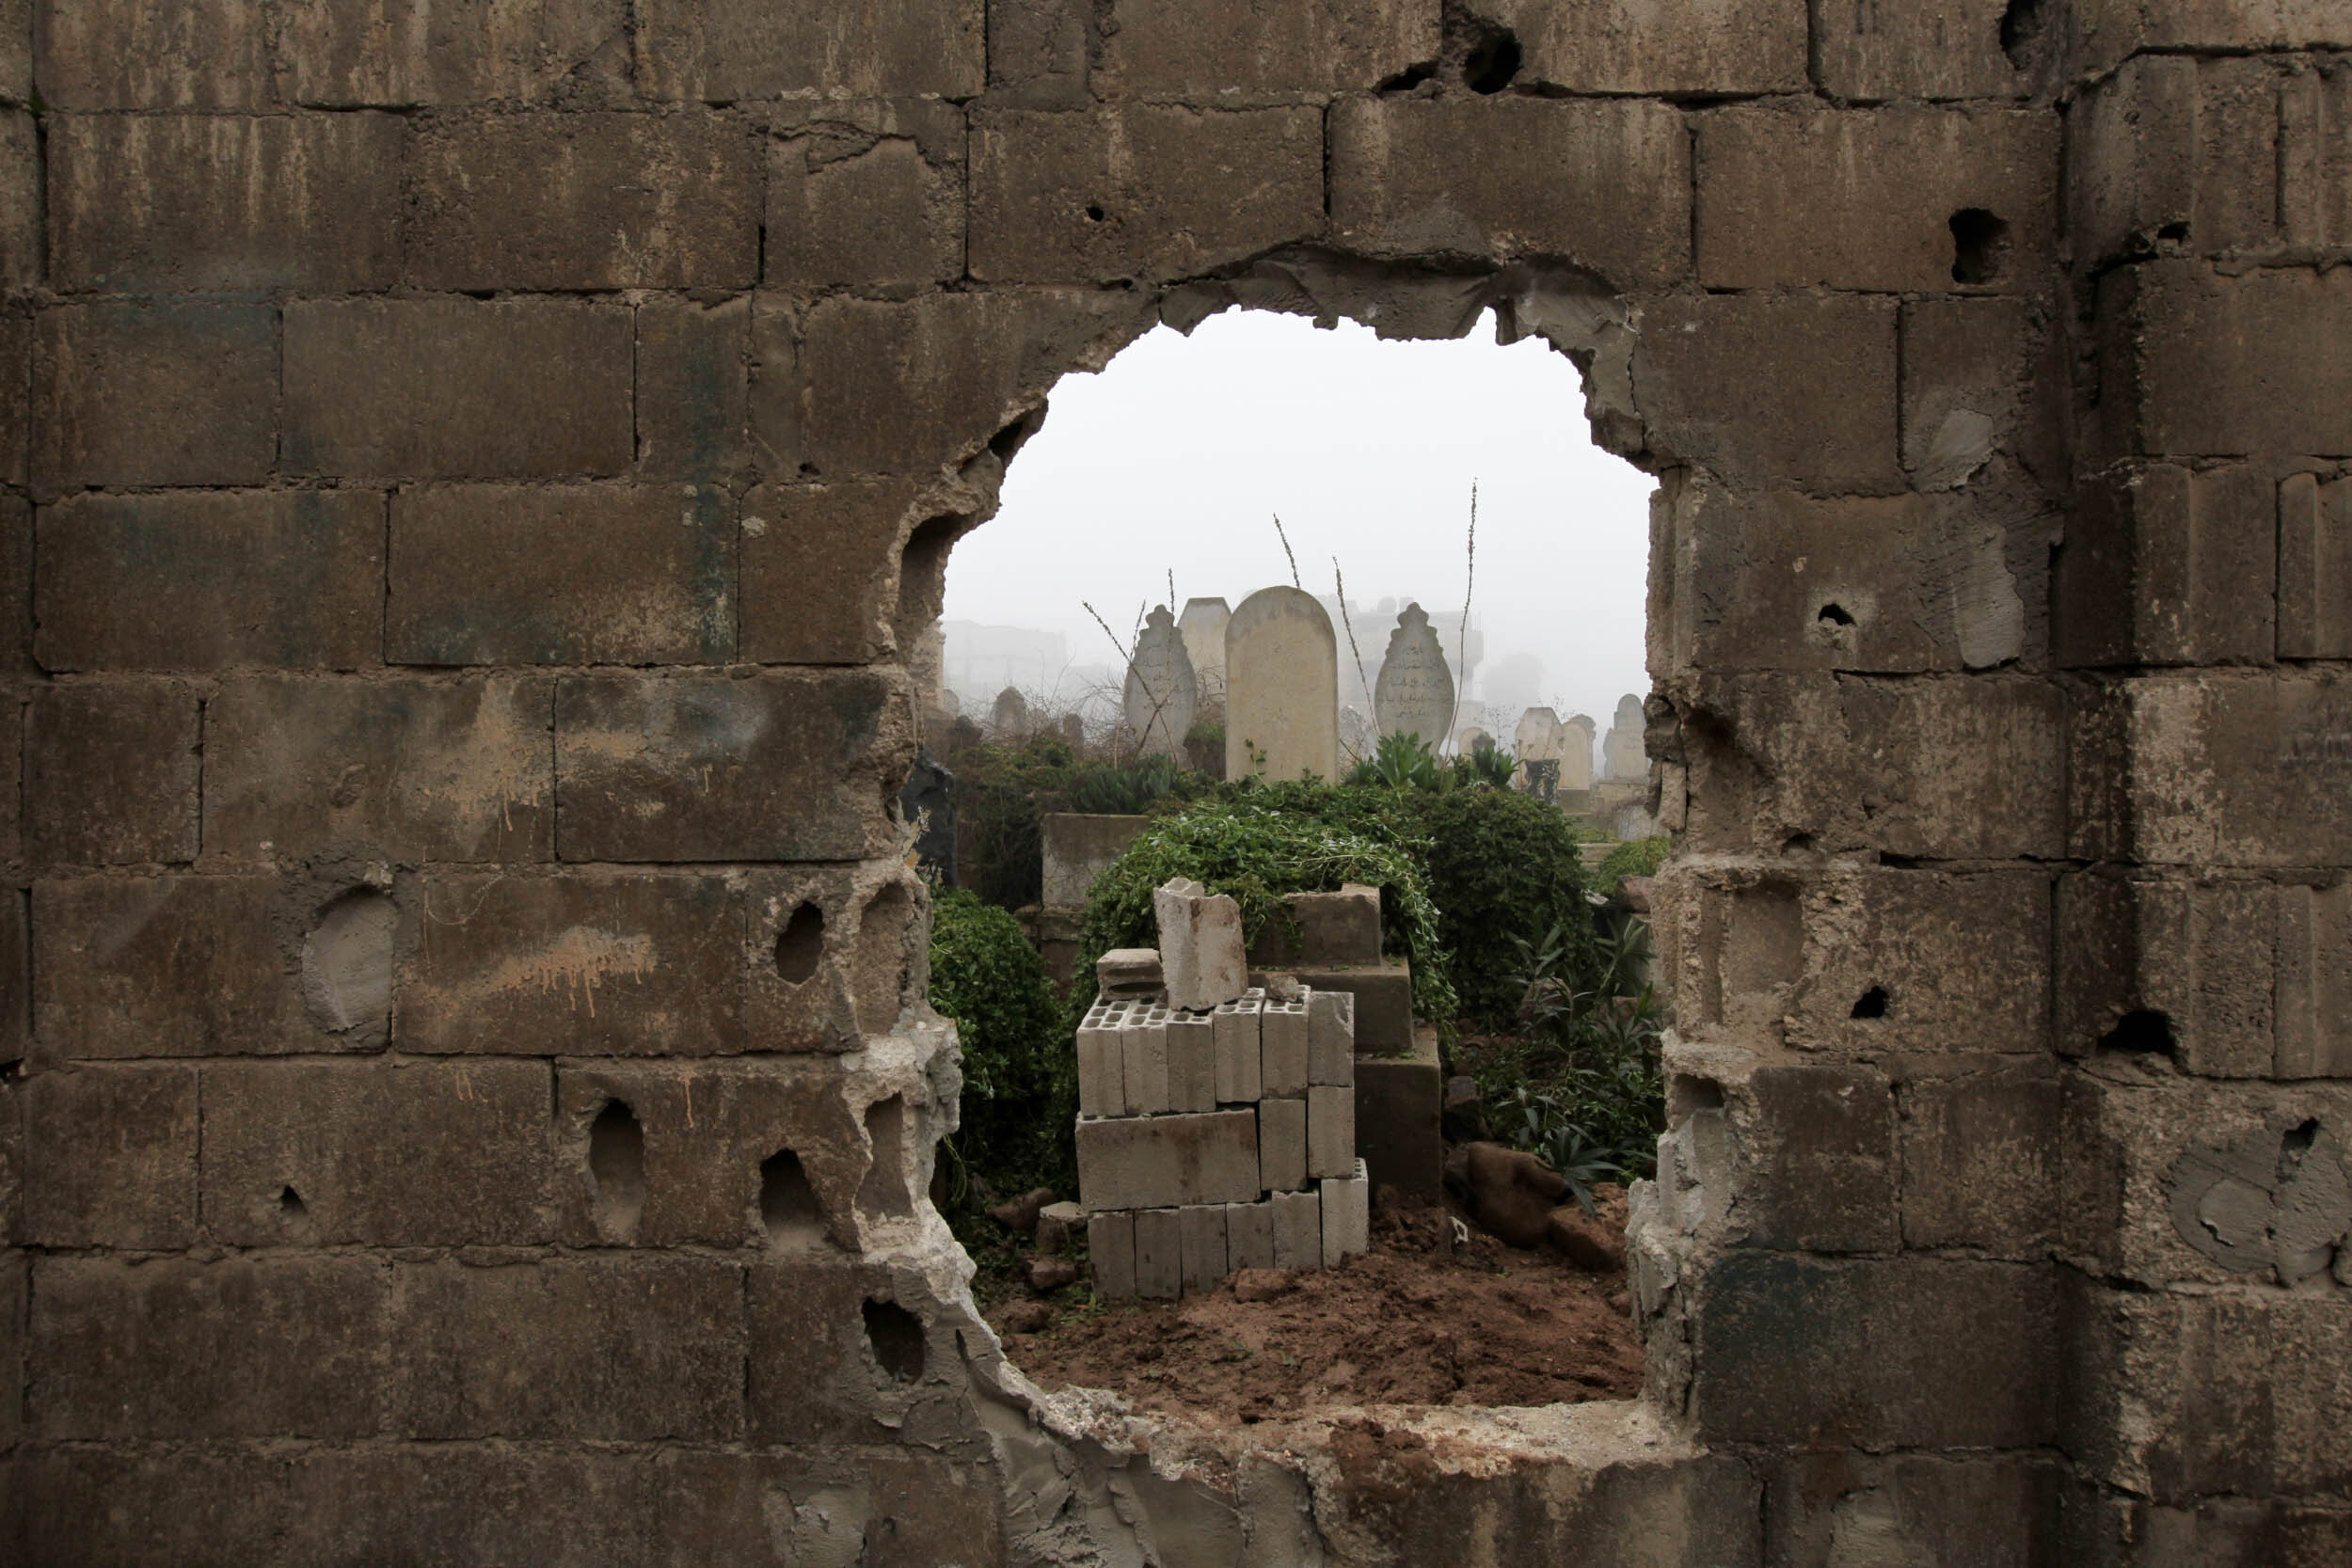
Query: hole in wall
(2291, 1147)
(884, 1190)
(787, 1203)
(882, 956)
(895, 1336)
(2174, 231)
(293, 1218)
(2145, 1032)
(1492, 62)
(1408, 78)
(2023, 23)
(1797, 844)
(801, 944)
(1094, 214)
(1979, 246)
(1871, 1004)
(1689, 1093)
(1834, 614)
(616, 1163)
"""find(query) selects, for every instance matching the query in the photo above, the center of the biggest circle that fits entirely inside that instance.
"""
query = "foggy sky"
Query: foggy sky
(1175, 457)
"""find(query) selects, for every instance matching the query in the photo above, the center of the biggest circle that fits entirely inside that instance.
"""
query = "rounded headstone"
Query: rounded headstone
(1009, 714)
(1162, 692)
(1576, 752)
(1281, 687)
(1622, 756)
(1203, 626)
(1470, 740)
(1414, 694)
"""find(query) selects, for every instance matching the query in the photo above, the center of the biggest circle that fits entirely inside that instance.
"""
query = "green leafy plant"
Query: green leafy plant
(1006, 792)
(1487, 765)
(1635, 857)
(1020, 1078)
(1401, 761)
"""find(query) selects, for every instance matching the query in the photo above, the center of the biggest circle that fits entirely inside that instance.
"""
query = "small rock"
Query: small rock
(1621, 1303)
(1285, 987)
(1020, 1214)
(1050, 1273)
(1512, 1193)
(1056, 1224)
(1025, 1317)
(1584, 1241)
(1262, 1284)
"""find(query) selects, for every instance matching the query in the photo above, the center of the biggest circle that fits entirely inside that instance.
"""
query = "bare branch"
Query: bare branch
(1339, 585)
(1286, 550)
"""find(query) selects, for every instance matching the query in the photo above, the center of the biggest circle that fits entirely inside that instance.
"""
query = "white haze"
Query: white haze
(1177, 456)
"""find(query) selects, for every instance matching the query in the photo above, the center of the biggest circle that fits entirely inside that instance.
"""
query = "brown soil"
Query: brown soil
(1414, 1322)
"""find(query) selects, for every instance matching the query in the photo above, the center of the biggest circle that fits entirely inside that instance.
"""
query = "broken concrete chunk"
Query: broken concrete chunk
(1330, 1037)
(1127, 972)
(1201, 945)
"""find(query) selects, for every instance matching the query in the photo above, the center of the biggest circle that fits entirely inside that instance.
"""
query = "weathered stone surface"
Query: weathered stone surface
(723, 51)
(411, 769)
(1823, 1509)
(816, 587)
(150, 203)
(2099, 32)
(1200, 1245)
(1831, 425)
(1717, 46)
(1080, 847)
(1282, 687)
(348, 53)
(772, 766)
(1866, 199)
(1980, 1162)
(292, 578)
(1201, 948)
(155, 394)
(1909, 1352)
(110, 1157)
(1138, 190)
(21, 186)
(1297, 1228)
(1399, 1130)
(1330, 1138)
(2192, 363)
(691, 414)
(1979, 381)
(1414, 693)
(1346, 1214)
(289, 1346)
(16, 419)
(1234, 49)
(209, 54)
(1602, 183)
(583, 201)
(1162, 691)
(111, 773)
(428, 389)
(574, 574)
(815, 1373)
(867, 192)
(1143, 1163)
(1883, 52)
(338, 1153)
(2315, 568)
(609, 1347)
(1820, 1148)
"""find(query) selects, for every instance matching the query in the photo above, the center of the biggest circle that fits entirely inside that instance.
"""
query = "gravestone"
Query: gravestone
(1009, 714)
(1576, 752)
(1538, 741)
(1621, 754)
(1162, 692)
(1281, 687)
(1414, 694)
(1203, 626)
(1470, 740)
(928, 801)
(1074, 730)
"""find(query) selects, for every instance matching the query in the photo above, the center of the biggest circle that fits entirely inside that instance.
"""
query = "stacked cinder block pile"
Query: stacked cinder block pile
(1217, 1122)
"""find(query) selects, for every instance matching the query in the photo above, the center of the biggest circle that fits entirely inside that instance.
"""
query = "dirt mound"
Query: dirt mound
(1421, 1318)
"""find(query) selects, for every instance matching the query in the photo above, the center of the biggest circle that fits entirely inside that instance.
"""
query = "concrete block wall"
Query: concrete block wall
(472, 481)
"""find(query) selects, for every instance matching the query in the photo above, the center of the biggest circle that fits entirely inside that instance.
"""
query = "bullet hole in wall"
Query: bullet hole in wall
(1688, 1093)
(616, 1161)
(884, 1190)
(788, 1204)
(1980, 242)
(882, 957)
(896, 1336)
(1871, 1004)
(1492, 62)
(1835, 614)
(801, 944)
(2146, 1033)
(2022, 26)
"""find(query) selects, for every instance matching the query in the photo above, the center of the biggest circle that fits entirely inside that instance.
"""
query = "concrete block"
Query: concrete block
(832, 951)
(865, 193)
(1159, 1254)
(16, 425)
(728, 51)
(1980, 377)
(2163, 564)
(161, 203)
(407, 770)
(286, 578)
(691, 386)
(1831, 426)
(1102, 1062)
(1819, 1510)
(1201, 945)
(816, 583)
(169, 1349)
(1168, 1162)
(343, 54)
(567, 574)
(1346, 1215)
(2314, 567)
(1202, 1241)
(345, 1153)
(209, 54)
(909, 388)
(1282, 1144)
(1143, 1059)
(582, 200)
(1139, 190)
(1506, 177)
(1330, 1129)
(2131, 160)
(1896, 1352)
(1867, 198)
(1342, 927)
(614, 1347)
(110, 1157)
(1191, 1063)
(1821, 1172)
(1129, 975)
(1880, 52)
(426, 388)
(1249, 1235)
(1399, 1116)
(817, 1369)
(111, 773)
(1235, 1035)
(154, 395)
(1080, 847)
(1283, 1045)
(1297, 1230)
(2192, 363)
(1111, 1254)
(1383, 994)
(779, 765)
(1331, 1037)
(1234, 48)
(1622, 46)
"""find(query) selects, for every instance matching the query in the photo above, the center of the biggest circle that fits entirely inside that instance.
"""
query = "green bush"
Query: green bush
(1635, 857)
(1006, 791)
(1020, 1076)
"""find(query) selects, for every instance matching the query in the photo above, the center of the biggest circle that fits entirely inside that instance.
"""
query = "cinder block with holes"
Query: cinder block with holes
(1234, 1027)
